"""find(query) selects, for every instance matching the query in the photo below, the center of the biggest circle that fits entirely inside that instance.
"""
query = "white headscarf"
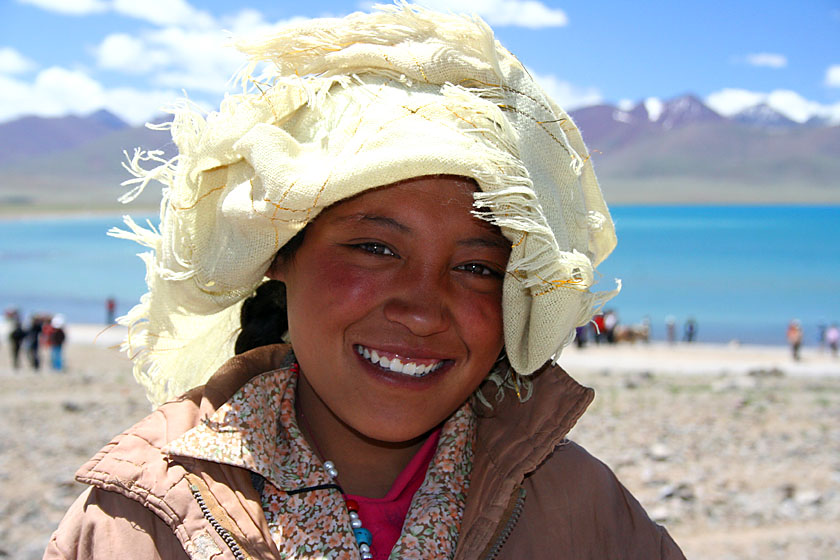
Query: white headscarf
(348, 105)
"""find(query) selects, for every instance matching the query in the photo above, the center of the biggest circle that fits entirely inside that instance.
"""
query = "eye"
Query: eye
(375, 248)
(479, 270)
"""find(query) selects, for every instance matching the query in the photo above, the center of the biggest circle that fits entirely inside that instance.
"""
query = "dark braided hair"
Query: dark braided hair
(263, 316)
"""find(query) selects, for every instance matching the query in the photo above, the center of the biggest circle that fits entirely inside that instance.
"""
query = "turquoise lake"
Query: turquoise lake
(741, 272)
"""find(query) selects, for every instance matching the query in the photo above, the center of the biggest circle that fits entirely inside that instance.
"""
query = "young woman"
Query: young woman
(394, 234)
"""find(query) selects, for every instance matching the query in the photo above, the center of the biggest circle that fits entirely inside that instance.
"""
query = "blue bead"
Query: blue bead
(363, 536)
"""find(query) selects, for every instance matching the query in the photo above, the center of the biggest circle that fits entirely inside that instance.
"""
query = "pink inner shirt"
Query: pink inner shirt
(384, 517)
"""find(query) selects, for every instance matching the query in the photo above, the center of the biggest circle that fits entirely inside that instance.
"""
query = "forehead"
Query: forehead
(434, 197)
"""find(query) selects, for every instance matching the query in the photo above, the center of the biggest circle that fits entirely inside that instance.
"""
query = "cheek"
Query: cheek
(480, 317)
(330, 289)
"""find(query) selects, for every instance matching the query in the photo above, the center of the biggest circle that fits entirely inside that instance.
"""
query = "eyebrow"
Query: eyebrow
(375, 219)
(489, 242)
(493, 240)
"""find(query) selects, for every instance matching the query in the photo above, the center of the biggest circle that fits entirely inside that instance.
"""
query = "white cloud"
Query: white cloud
(159, 12)
(625, 104)
(13, 99)
(252, 22)
(194, 59)
(654, 108)
(69, 7)
(165, 12)
(12, 62)
(55, 91)
(74, 90)
(58, 91)
(136, 106)
(796, 107)
(128, 54)
(201, 60)
(767, 60)
(567, 95)
(728, 102)
(246, 20)
(832, 76)
(522, 13)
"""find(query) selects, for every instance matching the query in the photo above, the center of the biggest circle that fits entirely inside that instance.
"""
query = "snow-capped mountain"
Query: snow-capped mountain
(685, 110)
(762, 115)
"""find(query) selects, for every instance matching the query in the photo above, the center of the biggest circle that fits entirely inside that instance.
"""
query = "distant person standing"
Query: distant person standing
(794, 337)
(690, 330)
(610, 322)
(16, 338)
(600, 329)
(56, 341)
(821, 338)
(832, 338)
(580, 335)
(671, 329)
(33, 339)
(46, 332)
(110, 310)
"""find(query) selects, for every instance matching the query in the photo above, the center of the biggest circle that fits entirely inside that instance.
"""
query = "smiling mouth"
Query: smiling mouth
(397, 364)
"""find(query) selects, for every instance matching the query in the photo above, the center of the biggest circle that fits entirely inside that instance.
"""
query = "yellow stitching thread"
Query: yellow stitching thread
(420, 67)
(198, 200)
(264, 97)
(557, 284)
(510, 89)
(541, 125)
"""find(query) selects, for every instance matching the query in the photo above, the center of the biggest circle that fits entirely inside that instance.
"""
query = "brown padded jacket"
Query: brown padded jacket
(533, 493)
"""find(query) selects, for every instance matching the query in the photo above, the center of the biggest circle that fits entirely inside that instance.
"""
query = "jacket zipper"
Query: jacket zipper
(510, 524)
(224, 533)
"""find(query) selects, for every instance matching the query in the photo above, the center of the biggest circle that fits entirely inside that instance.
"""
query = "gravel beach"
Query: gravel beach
(735, 449)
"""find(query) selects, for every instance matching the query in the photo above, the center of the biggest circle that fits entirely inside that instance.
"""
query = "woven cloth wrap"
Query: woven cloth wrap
(347, 105)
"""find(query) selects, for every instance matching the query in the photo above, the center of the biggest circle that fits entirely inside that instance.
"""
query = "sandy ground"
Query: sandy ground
(735, 449)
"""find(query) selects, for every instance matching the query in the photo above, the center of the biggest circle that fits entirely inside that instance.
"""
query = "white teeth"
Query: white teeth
(395, 365)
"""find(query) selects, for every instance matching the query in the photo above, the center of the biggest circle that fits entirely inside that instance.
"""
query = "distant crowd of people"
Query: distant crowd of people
(605, 328)
(828, 337)
(41, 331)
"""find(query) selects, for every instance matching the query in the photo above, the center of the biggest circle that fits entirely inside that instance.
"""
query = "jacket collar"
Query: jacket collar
(134, 463)
(512, 441)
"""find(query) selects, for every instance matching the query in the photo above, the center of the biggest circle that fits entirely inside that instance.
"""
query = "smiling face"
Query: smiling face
(394, 303)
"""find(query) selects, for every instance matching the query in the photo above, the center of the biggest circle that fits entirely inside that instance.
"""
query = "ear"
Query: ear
(277, 269)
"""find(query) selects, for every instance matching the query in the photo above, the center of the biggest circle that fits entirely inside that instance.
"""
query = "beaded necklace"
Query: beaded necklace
(364, 538)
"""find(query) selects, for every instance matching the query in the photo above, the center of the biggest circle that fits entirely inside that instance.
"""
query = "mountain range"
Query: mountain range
(656, 152)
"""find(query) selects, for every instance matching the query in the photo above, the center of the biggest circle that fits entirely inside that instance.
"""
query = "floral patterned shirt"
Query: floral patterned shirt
(257, 430)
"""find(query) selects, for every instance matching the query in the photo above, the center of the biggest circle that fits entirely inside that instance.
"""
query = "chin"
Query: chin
(396, 437)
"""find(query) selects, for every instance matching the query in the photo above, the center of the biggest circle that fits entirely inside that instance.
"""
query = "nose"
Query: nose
(419, 303)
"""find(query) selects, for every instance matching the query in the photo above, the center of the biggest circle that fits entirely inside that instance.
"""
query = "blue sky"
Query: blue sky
(133, 56)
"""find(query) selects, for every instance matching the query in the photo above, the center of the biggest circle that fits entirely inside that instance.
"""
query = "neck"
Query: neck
(367, 467)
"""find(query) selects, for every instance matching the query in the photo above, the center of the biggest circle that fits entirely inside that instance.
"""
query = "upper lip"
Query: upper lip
(407, 352)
